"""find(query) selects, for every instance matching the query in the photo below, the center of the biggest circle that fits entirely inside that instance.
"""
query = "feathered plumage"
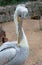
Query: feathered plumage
(15, 53)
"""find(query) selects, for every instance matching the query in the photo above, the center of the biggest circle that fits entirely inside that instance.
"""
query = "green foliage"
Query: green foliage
(10, 2)
(7, 2)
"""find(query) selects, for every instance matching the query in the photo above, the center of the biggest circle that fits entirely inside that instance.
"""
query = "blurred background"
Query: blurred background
(7, 8)
(32, 26)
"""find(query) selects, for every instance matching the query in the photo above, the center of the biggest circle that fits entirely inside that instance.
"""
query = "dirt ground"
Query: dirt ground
(34, 36)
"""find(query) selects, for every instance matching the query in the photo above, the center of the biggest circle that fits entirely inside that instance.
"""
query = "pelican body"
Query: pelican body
(16, 52)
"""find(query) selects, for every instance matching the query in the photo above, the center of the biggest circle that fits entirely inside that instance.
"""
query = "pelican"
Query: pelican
(16, 52)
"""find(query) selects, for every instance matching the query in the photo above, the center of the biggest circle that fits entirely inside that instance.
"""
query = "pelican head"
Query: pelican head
(22, 11)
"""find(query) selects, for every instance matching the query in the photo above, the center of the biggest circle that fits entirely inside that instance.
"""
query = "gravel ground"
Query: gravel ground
(34, 36)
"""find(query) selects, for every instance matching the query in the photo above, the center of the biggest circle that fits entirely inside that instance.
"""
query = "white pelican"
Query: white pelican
(15, 53)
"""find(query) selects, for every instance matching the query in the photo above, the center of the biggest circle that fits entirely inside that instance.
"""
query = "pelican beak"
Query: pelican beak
(19, 38)
(19, 19)
(19, 30)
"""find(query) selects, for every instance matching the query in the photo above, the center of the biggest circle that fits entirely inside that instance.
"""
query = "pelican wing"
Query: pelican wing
(8, 45)
(7, 53)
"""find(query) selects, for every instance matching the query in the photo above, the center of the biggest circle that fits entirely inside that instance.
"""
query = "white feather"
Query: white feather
(10, 52)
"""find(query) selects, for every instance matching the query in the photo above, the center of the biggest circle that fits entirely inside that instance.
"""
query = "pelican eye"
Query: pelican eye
(19, 15)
